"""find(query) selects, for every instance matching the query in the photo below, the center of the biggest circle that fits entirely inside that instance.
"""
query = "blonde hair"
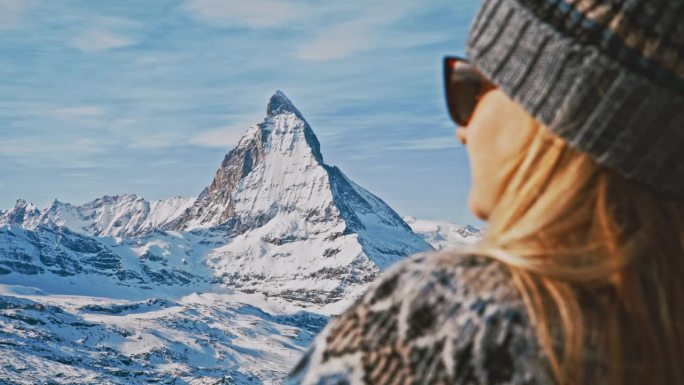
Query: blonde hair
(599, 262)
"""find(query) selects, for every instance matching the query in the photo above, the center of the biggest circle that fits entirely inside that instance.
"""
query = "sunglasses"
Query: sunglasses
(464, 86)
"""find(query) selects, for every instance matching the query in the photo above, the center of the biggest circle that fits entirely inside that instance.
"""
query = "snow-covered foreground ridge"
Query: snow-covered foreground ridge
(201, 338)
(108, 291)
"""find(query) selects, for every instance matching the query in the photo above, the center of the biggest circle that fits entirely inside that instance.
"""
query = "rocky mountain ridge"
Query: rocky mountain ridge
(127, 215)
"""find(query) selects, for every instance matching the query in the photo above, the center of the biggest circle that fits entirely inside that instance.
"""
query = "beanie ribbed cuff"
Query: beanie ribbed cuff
(622, 120)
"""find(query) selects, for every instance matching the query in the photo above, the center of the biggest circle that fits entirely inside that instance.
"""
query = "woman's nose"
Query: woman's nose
(461, 134)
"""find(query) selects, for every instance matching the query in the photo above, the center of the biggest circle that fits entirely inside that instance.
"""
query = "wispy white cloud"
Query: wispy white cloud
(348, 28)
(95, 40)
(27, 146)
(70, 174)
(338, 41)
(219, 137)
(362, 32)
(43, 152)
(438, 143)
(265, 13)
(77, 112)
(226, 136)
(11, 10)
(155, 140)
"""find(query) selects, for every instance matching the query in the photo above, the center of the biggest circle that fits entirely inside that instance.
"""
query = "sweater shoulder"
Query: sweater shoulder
(438, 317)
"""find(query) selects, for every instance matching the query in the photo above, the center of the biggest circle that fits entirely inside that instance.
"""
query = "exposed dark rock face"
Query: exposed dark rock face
(64, 253)
(214, 205)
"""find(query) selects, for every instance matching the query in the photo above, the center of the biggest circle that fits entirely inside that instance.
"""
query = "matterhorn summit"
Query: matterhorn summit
(298, 224)
(276, 166)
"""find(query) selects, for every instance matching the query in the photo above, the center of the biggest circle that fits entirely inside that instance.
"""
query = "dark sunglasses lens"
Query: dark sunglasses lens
(466, 94)
(463, 87)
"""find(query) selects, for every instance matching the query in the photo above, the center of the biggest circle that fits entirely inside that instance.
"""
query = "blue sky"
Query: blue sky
(108, 97)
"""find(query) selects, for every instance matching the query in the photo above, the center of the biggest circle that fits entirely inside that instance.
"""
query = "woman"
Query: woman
(572, 112)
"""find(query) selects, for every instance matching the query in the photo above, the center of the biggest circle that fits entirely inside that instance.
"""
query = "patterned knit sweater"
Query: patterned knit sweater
(432, 319)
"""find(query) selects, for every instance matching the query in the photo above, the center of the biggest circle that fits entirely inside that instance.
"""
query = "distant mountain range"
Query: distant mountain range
(276, 242)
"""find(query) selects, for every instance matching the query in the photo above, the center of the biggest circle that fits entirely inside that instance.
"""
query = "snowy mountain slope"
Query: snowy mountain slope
(134, 311)
(56, 257)
(196, 339)
(444, 235)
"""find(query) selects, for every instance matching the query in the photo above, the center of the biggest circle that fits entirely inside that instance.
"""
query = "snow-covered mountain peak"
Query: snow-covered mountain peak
(22, 212)
(281, 104)
(285, 124)
(277, 165)
(23, 205)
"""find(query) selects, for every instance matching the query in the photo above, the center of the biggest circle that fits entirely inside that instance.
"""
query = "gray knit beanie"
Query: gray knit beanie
(605, 75)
